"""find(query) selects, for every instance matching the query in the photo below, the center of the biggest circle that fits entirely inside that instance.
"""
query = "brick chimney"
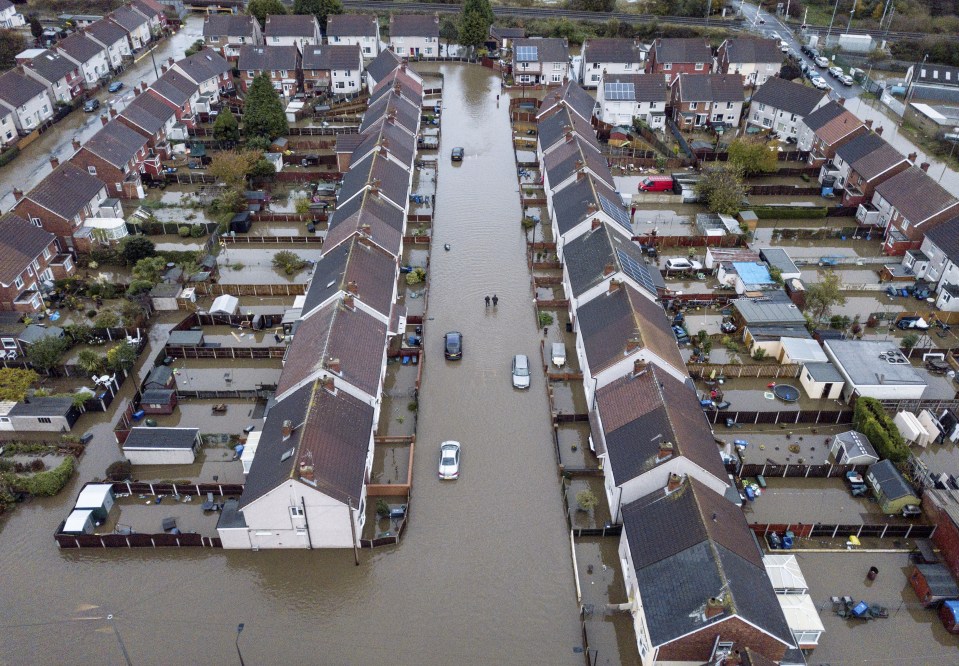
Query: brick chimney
(328, 385)
(17, 194)
(595, 224)
(104, 119)
(841, 101)
(333, 365)
(714, 607)
(912, 157)
(375, 187)
(675, 483)
(136, 91)
(365, 230)
(614, 286)
(76, 143)
(924, 166)
(351, 287)
(578, 165)
(609, 269)
(880, 130)
(143, 86)
(580, 175)
(633, 343)
(868, 123)
(590, 208)
(348, 302)
(287, 429)
(569, 137)
(54, 161)
(306, 473)
(113, 112)
(170, 61)
(163, 68)
(665, 451)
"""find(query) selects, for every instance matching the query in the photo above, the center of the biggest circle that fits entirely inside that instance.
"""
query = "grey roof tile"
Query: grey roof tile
(548, 49)
(80, 47)
(335, 56)
(20, 243)
(645, 88)
(291, 25)
(228, 25)
(414, 25)
(268, 58)
(66, 190)
(356, 259)
(352, 25)
(915, 195)
(711, 88)
(788, 96)
(17, 89)
(116, 143)
(753, 50)
(690, 50)
(383, 64)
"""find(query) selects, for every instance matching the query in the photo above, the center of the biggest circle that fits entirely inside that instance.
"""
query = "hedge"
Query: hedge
(871, 419)
(9, 155)
(789, 212)
(44, 484)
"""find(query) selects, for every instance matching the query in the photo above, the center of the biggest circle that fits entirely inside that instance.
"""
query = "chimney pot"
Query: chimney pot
(609, 269)
(170, 61)
(880, 130)
(104, 119)
(306, 473)
(841, 101)
(665, 450)
(924, 166)
(333, 365)
(578, 164)
(76, 143)
(639, 366)
(868, 123)
(163, 68)
(136, 91)
(143, 86)
(113, 112)
(595, 223)
(17, 194)
(912, 157)
(675, 481)
(365, 230)
(287, 429)
(328, 385)
(348, 302)
(635, 342)
(614, 285)
(591, 207)
(54, 161)
(714, 607)
(351, 287)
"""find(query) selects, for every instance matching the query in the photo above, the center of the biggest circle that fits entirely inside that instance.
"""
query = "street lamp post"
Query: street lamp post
(849, 25)
(239, 630)
(834, 10)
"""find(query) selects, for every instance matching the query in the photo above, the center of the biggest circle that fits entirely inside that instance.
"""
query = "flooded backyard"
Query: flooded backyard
(483, 573)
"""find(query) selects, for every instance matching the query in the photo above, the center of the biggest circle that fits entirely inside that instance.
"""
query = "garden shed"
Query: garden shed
(162, 446)
(225, 304)
(160, 377)
(36, 332)
(890, 488)
(158, 401)
(853, 448)
(98, 498)
(821, 381)
(163, 296)
(188, 338)
(933, 583)
(241, 222)
(80, 521)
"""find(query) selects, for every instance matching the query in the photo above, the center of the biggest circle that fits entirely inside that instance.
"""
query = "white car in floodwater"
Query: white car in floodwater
(449, 461)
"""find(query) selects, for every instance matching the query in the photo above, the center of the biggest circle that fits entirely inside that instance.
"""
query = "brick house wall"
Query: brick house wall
(112, 177)
(316, 78)
(60, 227)
(31, 278)
(698, 646)
(675, 68)
(946, 539)
(867, 188)
(821, 152)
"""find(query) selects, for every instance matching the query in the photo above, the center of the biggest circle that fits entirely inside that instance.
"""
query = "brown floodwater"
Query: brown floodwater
(483, 574)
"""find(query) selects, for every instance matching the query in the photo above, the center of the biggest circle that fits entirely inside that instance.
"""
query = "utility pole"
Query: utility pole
(834, 10)
(885, 10)
(787, 9)
(851, 13)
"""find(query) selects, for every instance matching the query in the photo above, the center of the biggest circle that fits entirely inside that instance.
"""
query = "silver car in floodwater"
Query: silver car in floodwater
(521, 371)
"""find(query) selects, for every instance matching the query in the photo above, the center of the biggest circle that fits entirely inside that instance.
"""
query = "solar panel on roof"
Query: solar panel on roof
(620, 91)
(636, 270)
(526, 53)
(618, 213)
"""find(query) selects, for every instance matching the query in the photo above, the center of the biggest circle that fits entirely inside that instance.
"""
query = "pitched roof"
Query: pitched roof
(400, 82)
(838, 127)
(615, 320)
(392, 107)
(148, 8)
(334, 56)
(336, 331)
(20, 243)
(938, 74)
(389, 138)
(331, 434)
(553, 129)
(51, 66)
(161, 438)
(127, 18)
(175, 87)
(370, 214)
(228, 25)
(612, 50)
(414, 25)
(17, 89)
(504, 32)
(149, 113)
(383, 64)
(357, 260)
(588, 257)
(869, 155)
(711, 88)
(80, 47)
(635, 88)
(584, 198)
(352, 25)
(291, 25)
(946, 238)
(66, 190)
(690, 50)
(116, 143)
(268, 58)
(106, 31)
(45, 406)
(569, 94)
(691, 546)
(751, 49)
(890, 481)
(204, 65)
(377, 171)
(572, 156)
(915, 195)
(788, 96)
(540, 49)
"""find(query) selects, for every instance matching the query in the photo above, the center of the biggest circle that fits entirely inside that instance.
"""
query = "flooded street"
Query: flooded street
(483, 574)
(33, 163)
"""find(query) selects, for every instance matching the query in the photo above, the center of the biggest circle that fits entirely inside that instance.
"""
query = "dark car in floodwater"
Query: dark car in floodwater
(453, 346)
(457, 155)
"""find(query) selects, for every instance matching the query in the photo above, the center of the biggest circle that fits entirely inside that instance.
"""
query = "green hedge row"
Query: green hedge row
(788, 212)
(44, 484)
(8, 155)
(871, 419)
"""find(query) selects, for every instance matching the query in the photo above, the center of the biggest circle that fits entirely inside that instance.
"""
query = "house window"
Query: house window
(18, 283)
(729, 105)
(629, 65)
(667, 66)
(4, 419)
(276, 39)
(699, 66)
(767, 122)
(36, 221)
(283, 73)
(296, 511)
(557, 66)
(92, 170)
(250, 73)
(429, 50)
(9, 343)
(47, 275)
(44, 419)
(692, 106)
(946, 297)
(755, 116)
(557, 78)
(340, 84)
(119, 187)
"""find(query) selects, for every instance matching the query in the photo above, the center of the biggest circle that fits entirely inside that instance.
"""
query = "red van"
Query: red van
(656, 184)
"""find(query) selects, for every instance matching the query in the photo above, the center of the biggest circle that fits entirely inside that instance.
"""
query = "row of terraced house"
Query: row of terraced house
(310, 465)
(79, 203)
(43, 78)
(695, 576)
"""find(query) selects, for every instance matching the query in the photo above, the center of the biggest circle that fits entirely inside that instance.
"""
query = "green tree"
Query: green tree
(262, 168)
(14, 383)
(135, 248)
(226, 128)
(11, 43)
(36, 28)
(321, 9)
(231, 167)
(263, 114)
(481, 7)
(592, 5)
(721, 188)
(473, 30)
(790, 72)
(195, 48)
(90, 361)
(122, 357)
(262, 8)
(752, 156)
(821, 296)
(107, 318)
(45, 353)
(150, 269)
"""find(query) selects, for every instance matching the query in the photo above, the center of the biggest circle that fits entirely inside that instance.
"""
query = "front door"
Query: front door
(700, 119)
(826, 390)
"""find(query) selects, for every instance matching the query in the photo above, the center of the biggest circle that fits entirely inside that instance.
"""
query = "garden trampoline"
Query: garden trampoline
(786, 393)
